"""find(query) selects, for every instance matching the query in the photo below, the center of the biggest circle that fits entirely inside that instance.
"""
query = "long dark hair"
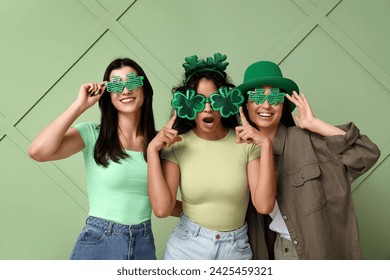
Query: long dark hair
(182, 125)
(108, 145)
(287, 118)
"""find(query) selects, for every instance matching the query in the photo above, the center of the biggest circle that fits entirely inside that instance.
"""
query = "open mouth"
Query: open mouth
(208, 120)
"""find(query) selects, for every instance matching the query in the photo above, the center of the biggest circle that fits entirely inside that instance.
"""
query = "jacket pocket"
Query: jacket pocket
(308, 188)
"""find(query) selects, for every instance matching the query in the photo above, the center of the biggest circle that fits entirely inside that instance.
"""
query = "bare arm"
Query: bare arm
(57, 141)
(262, 180)
(163, 176)
(306, 119)
(261, 172)
(178, 209)
(357, 152)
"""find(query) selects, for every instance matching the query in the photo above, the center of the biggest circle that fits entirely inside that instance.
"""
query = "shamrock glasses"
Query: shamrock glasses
(259, 97)
(132, 82)
(190, 104)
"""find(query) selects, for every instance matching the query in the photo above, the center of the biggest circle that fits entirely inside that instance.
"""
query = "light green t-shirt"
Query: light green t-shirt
(213, 180)
(119, 192)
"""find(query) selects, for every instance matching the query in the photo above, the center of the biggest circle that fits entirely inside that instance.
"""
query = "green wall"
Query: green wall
(336, 50)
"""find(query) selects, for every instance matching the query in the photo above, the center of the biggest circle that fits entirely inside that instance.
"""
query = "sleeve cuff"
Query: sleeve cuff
(339, 143)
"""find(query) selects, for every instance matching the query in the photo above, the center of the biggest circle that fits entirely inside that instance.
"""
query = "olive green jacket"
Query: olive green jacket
(314, 175)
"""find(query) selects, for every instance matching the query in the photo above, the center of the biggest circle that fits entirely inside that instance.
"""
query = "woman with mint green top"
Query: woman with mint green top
(118, 224)
(212, 165)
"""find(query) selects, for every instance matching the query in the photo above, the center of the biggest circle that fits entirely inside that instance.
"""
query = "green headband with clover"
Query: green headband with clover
(188, 105)
(193, 65)
(131, 83)
(259, 97)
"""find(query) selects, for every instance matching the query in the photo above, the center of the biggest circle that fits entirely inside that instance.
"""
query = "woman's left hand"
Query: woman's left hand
(305, 118)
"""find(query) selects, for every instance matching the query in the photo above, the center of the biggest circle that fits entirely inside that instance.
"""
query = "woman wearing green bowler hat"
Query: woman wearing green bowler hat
(316, 163)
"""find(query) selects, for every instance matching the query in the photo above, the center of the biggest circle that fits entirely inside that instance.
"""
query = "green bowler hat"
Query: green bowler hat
(267, 73)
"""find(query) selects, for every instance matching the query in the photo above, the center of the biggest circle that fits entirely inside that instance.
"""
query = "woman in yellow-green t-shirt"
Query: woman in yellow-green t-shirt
(212, 163)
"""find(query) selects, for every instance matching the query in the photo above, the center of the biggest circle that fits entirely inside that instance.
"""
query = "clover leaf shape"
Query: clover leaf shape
(192, 63)
(115, 85)
(257, 95)
(188, 105)
(273, 98)
(132, 81)
(227, 102)
(276, 96)
(217, 62)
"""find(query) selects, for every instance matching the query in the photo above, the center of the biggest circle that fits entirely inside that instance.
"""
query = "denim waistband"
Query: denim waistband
(216, 236)
(110, 227)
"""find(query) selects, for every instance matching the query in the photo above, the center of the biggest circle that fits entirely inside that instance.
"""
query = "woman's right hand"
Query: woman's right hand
(246, 133)
(89, 94)
(59, 140)
(166, 137)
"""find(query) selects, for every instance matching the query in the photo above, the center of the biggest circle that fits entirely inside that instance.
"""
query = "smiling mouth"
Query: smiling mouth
(265, 115)
(127, 100)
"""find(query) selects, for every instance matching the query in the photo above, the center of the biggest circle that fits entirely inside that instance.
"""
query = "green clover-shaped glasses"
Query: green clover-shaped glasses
(259, 97)
(131, 83)
(226, 101)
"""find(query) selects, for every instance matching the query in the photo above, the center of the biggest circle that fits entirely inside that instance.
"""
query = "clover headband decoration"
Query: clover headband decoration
(225, 101)
(132, 82)
(215, 64)
(273, 98)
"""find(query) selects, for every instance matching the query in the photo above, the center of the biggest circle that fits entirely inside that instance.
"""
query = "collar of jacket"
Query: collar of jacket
(280, 139)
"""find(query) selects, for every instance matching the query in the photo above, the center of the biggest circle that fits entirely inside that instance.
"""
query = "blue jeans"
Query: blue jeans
(190, 241)
(104, 240)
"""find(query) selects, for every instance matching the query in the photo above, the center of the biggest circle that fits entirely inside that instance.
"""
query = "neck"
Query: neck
(130, 133)
(212, 136)
(130, 123)
(269, 132)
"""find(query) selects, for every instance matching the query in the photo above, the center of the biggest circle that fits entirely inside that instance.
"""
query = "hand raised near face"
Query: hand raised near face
(166, 137)
(305, 118)
(246, 133)
(90, 93)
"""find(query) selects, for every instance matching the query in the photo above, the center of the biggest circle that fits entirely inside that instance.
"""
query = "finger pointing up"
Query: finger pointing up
(243, 118)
